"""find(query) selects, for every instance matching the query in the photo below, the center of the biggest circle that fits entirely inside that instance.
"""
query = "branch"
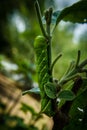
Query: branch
(74, 71)
(48, 15)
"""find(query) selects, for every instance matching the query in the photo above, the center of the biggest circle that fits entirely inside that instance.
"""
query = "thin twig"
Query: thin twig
(78, 59)
(84, 63)
(71, 66)
(55, 60)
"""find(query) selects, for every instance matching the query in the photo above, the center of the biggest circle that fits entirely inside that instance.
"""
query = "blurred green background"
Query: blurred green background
(18, 29)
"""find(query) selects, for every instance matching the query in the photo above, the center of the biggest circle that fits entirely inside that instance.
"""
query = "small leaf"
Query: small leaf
(50, 90)
(35, 90)
(66, 95)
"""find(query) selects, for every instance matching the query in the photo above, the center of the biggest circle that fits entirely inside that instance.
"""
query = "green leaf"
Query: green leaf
(77, 13)
(66, 95)
(50, 90)
(35, 90)
(80, 101)
(78, 113)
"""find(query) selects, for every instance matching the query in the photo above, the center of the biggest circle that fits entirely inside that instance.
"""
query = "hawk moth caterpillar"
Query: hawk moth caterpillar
(40, 46)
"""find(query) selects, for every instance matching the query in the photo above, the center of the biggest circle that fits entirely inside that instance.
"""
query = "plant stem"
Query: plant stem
(73, 73)
(48, 14)
(37, 7)
(56, 59)
(49, 54)
(78, 59)
(49, 47)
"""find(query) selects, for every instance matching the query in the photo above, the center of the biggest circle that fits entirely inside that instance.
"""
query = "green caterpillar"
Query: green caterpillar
(40, 46)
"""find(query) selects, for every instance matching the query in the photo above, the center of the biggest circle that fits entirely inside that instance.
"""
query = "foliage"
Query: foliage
(69, 92)
(74, 73)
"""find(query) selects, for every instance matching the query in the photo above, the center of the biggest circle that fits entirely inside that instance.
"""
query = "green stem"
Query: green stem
(67, 79)
(48, 14)
(49, 50)
(73, 73)
(78, 59)
(40, 18)
(54, 62)
(71, 66)
(84, 63)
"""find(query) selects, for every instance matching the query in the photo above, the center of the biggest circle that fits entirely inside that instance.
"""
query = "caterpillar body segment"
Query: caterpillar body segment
(42, 67)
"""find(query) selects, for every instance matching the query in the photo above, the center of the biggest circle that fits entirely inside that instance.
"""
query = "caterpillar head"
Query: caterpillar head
(40, 42)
